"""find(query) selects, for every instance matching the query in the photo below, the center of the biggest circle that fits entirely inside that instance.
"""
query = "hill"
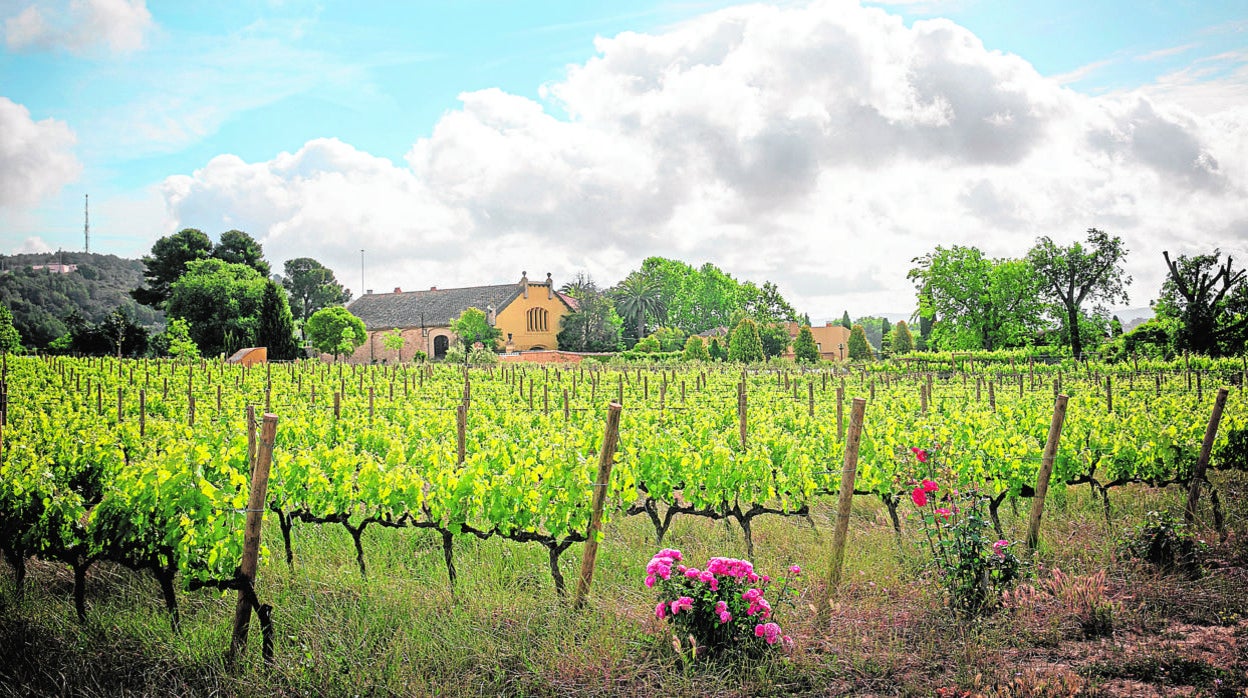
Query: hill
(44, 289)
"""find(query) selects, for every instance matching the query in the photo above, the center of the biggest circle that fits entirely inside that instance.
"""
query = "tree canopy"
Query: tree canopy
(311, 286)
(336, 331)
(805, 349)
(1210, 300)
(975, 302)
(221, 302)
(859, 348)
(10, 338)
(745, 345)
(473, 326)
(276, 327)
(594, 325)
(172, 254)
(1075, 275)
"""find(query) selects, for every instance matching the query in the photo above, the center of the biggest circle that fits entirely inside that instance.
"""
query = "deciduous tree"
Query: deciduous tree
(1080, 274)
(1210, 300)
(336, 331)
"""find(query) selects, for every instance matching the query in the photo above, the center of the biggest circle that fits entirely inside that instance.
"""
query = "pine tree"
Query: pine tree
(745, 345)
(859, 347)
(276, 328)
(805, 350)
(845, 321)
(902, 340)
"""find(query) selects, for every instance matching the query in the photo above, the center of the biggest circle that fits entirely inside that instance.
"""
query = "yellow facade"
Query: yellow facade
(531, 321)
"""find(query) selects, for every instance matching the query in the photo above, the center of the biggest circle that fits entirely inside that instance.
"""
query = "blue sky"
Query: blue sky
(137, 103)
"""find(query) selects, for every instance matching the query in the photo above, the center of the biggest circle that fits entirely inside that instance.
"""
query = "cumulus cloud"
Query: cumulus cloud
(79, 26)
(34, 244)
(36, 157)
(821, 147)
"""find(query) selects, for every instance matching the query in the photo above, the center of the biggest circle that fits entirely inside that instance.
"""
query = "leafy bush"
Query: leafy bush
(1163, 541)
(1234, 453)
(720, 609)
(481, 355)
(973, 565)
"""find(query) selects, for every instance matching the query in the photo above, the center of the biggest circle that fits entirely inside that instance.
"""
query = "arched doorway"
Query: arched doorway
(440, 344)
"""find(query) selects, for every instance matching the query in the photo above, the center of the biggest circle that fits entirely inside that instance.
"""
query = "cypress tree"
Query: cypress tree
(745, 345)
(805, 350)
(276, 329)
(845, 321)
(902, 339)
(859, 347)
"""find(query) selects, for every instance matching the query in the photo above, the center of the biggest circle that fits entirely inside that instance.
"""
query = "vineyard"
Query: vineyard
(148, 464)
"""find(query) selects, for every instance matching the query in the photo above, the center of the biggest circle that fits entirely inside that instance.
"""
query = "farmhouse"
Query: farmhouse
(832, 340)
(527, 313)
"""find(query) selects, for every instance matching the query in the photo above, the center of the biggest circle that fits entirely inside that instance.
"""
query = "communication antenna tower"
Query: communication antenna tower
(86, 221)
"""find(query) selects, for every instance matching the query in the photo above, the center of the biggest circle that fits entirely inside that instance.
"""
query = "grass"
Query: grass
(401, 631)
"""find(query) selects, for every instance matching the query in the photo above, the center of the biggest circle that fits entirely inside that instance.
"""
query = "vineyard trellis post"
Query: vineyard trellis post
(1046, 470)
(251, 537)
(1202, 463)
(844, 502)
(606, 459)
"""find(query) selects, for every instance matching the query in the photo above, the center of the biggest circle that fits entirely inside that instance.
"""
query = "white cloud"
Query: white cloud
(36, 157)
(80, 27)
(32, 245)
(821, 147)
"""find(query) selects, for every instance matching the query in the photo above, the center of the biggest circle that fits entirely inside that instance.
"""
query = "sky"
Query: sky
(819, 145)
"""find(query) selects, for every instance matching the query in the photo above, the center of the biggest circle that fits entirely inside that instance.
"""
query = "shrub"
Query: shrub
(973, 565)
(1164, 542)
(720, 609)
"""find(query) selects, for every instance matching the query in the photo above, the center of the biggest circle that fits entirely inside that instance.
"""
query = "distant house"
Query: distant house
(832, 340)
(55, 268)
(527, 313)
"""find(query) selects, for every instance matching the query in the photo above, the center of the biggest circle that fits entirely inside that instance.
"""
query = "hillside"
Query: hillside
(41, 298)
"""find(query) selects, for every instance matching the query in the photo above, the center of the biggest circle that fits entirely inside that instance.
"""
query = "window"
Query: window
(537, 319)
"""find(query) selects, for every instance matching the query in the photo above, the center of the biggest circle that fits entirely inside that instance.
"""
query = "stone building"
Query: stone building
(832, 340)
(527, 313)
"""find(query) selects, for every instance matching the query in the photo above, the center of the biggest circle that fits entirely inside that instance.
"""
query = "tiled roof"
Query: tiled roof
(433, 308)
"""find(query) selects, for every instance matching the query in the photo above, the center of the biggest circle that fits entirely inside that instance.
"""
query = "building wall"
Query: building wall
(414, 340)
(513, 319)
(829, 337)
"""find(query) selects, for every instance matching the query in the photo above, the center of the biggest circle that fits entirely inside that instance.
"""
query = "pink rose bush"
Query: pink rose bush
(973, 569)
(722, 607)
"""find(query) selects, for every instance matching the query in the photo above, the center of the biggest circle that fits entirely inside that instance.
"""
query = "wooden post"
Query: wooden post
(605, 460)
(1109, 394)
(840, 413)
(337, 405)
(142, 412)
(370, 401)
(251, 538)
(1202, 462)
(461, 432)
(1046, 470)
(566, 412)
(922, 398)
(251, 436)
(992, 396)
(120, 404)
(742, 412)
(810, 398)
(843, 504)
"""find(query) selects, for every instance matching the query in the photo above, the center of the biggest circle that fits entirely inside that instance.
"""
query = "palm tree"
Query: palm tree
(635, 298)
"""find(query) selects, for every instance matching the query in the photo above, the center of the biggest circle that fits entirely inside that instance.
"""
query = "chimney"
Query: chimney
(433, 288)
(490, 315)
(829, 324)
(368, 292)
(550, 287)
(397, 289)
(524, 283)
